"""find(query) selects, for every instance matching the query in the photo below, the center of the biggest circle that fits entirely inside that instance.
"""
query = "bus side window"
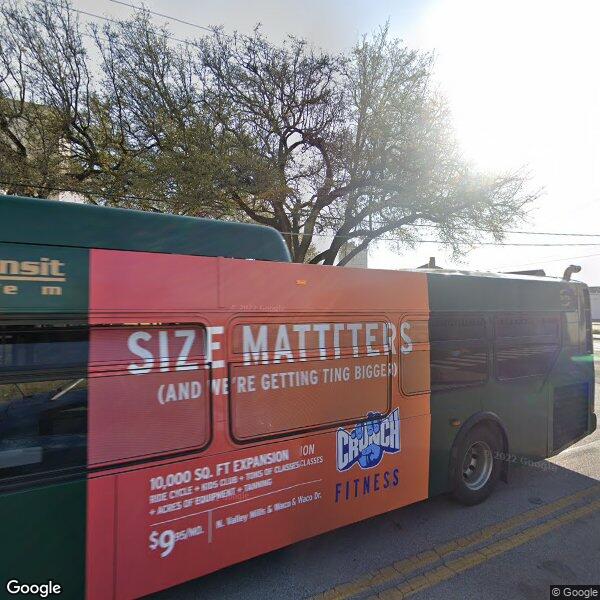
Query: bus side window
(571, 330)
(43, 399)
(149, 391)
(301, 376)
(414, 355)
(459, 351)
(526, 345)
(585, 316)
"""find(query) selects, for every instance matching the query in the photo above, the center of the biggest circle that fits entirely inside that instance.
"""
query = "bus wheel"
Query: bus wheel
(477, 468)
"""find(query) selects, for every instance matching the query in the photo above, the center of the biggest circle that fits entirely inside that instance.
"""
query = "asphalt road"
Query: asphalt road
(543, 528)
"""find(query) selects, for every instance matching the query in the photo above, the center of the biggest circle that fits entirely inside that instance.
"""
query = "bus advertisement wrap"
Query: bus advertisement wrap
(305, 430)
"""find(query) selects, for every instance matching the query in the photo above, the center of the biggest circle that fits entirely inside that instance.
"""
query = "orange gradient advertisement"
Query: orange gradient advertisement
(234, 411)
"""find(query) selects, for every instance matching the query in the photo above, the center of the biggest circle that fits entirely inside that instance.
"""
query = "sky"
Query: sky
(522, 82)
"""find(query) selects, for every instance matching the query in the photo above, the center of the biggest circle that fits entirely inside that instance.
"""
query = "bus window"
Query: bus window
(149, 391)
(524, 360)
(457, 364)
(289, 377)
(587, 344)
(414, 355)
(525, 345)
(45, 348)
(459, 351)
(526, 325)
(283, 399)
(43, 399)
(443, 329)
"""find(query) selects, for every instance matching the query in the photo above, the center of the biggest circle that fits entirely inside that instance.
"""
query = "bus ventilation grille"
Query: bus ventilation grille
(571, 410)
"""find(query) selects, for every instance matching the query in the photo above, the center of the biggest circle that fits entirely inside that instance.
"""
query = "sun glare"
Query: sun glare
(520, 76)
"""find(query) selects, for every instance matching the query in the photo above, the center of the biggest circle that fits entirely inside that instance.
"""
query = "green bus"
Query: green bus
(176, 396)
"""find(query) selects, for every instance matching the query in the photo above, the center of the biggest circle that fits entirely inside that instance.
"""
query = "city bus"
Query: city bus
(176, 396)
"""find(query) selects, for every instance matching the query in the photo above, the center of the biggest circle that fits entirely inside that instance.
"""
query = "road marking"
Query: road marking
(454, 567)
(409, 565)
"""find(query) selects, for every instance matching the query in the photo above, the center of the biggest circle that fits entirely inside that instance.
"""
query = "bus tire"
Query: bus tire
(477, 468)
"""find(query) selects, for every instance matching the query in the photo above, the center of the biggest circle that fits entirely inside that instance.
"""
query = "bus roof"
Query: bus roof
(485, 291)
(57, 223)
(485, 274)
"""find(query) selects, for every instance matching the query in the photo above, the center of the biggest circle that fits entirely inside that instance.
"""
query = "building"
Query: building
(361, 260)
(595, 303)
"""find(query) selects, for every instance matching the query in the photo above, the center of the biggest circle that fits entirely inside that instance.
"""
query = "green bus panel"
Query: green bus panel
(521, 403)
(450, 291)
(43, 279)
(43, 532)
(56, 223)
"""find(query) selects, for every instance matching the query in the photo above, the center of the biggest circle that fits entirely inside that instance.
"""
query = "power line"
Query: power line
(488, 230)
(158, 14)
(293, 234)
(443, 242)
(544, 261)
(103, 18)
(515, 232)
(82, 192)
(76, 10)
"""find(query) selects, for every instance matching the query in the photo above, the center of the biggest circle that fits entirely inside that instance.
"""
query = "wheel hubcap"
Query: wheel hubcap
(477, 465)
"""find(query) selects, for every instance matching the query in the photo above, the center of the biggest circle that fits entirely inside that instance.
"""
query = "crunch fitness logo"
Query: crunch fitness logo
(368, 441)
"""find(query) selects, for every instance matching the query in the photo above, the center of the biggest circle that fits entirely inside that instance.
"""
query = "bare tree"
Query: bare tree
(331, 150)
(173, 155)
(359, 147)
(46, 111)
